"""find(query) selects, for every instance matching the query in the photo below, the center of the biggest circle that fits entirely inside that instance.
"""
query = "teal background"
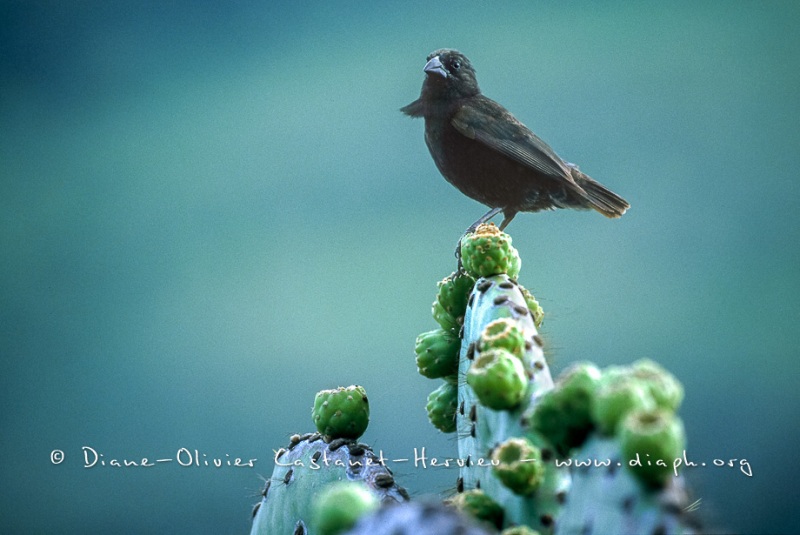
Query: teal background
(209, 211)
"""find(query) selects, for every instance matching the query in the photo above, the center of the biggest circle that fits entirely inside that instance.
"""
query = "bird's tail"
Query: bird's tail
(600, 197)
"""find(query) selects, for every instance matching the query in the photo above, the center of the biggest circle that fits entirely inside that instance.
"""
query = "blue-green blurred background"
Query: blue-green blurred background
(212, 210)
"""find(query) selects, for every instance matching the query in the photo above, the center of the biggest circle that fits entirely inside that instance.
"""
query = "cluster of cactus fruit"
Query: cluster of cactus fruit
(592, 452)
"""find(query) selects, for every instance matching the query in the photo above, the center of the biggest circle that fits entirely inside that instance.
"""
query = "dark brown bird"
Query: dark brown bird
(490, 156)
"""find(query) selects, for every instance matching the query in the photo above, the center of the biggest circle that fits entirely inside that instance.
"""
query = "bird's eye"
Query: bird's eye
(455, 65)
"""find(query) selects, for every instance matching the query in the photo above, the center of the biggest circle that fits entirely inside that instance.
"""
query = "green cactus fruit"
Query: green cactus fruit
(564, 415)
(515, 263)
(488, 251)
(533, 305)
(341, 412)
(618, 394)
(518, 465)
(578, 384)
(650, 441)
(476, 503)
(340, 505)
(437, 353)
(503, 333)
(548, 421)
(451, 299)
(442, 405)
(665, 389)
(444, 318)
(519, 530)
(498, 379)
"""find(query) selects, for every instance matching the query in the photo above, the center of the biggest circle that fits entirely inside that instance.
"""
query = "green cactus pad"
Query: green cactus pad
(518, 464)
(437, 353)
(498, 379)
(665, 389)
(564, 415)
(341, 412)
(488, 251)
(340, 505)
(618, 394)
(479, 505)
(441, 407)
(533, 305)
(503, 333)
(650, 442)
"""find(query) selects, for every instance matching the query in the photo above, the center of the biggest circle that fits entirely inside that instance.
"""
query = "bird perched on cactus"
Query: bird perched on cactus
(490, 156)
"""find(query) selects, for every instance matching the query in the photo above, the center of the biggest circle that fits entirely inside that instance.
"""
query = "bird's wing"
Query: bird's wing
(491, 124)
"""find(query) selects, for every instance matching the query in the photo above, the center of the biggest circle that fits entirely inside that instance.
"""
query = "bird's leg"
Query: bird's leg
(483, 219)
(509, 215)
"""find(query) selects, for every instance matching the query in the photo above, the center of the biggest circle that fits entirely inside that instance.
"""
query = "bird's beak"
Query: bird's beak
(435, 65)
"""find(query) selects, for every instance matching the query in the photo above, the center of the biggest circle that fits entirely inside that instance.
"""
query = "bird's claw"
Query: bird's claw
(459, 266)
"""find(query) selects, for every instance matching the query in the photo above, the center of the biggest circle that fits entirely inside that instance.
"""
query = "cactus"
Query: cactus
(533, 306)
(488, 251)
(304, 469)
(665, 389)
(498, 379)
(503, 334)
(519, 530)
(418, 518)
(341, 413)
(496, 304)
(590, 453)
(479, 506)
(564, 414)
(611, 500)
(314, 461)
(437, 353)
(340, 506)
(517, 463)
(657, 434)
(442, 404)
(501, 372)
(451, 300)
(617, 395)
(511, 412)
(621, 458)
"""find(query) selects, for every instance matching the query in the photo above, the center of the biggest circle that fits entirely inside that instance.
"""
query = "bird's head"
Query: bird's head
(449, 74)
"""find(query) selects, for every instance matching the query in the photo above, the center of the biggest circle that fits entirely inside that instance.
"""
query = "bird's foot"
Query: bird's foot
(459, 265)
(483, 219)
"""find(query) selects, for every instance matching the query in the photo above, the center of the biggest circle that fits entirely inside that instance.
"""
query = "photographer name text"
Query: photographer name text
(195, 458)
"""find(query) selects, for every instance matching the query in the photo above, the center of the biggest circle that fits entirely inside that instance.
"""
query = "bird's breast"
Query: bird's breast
(476, 170)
